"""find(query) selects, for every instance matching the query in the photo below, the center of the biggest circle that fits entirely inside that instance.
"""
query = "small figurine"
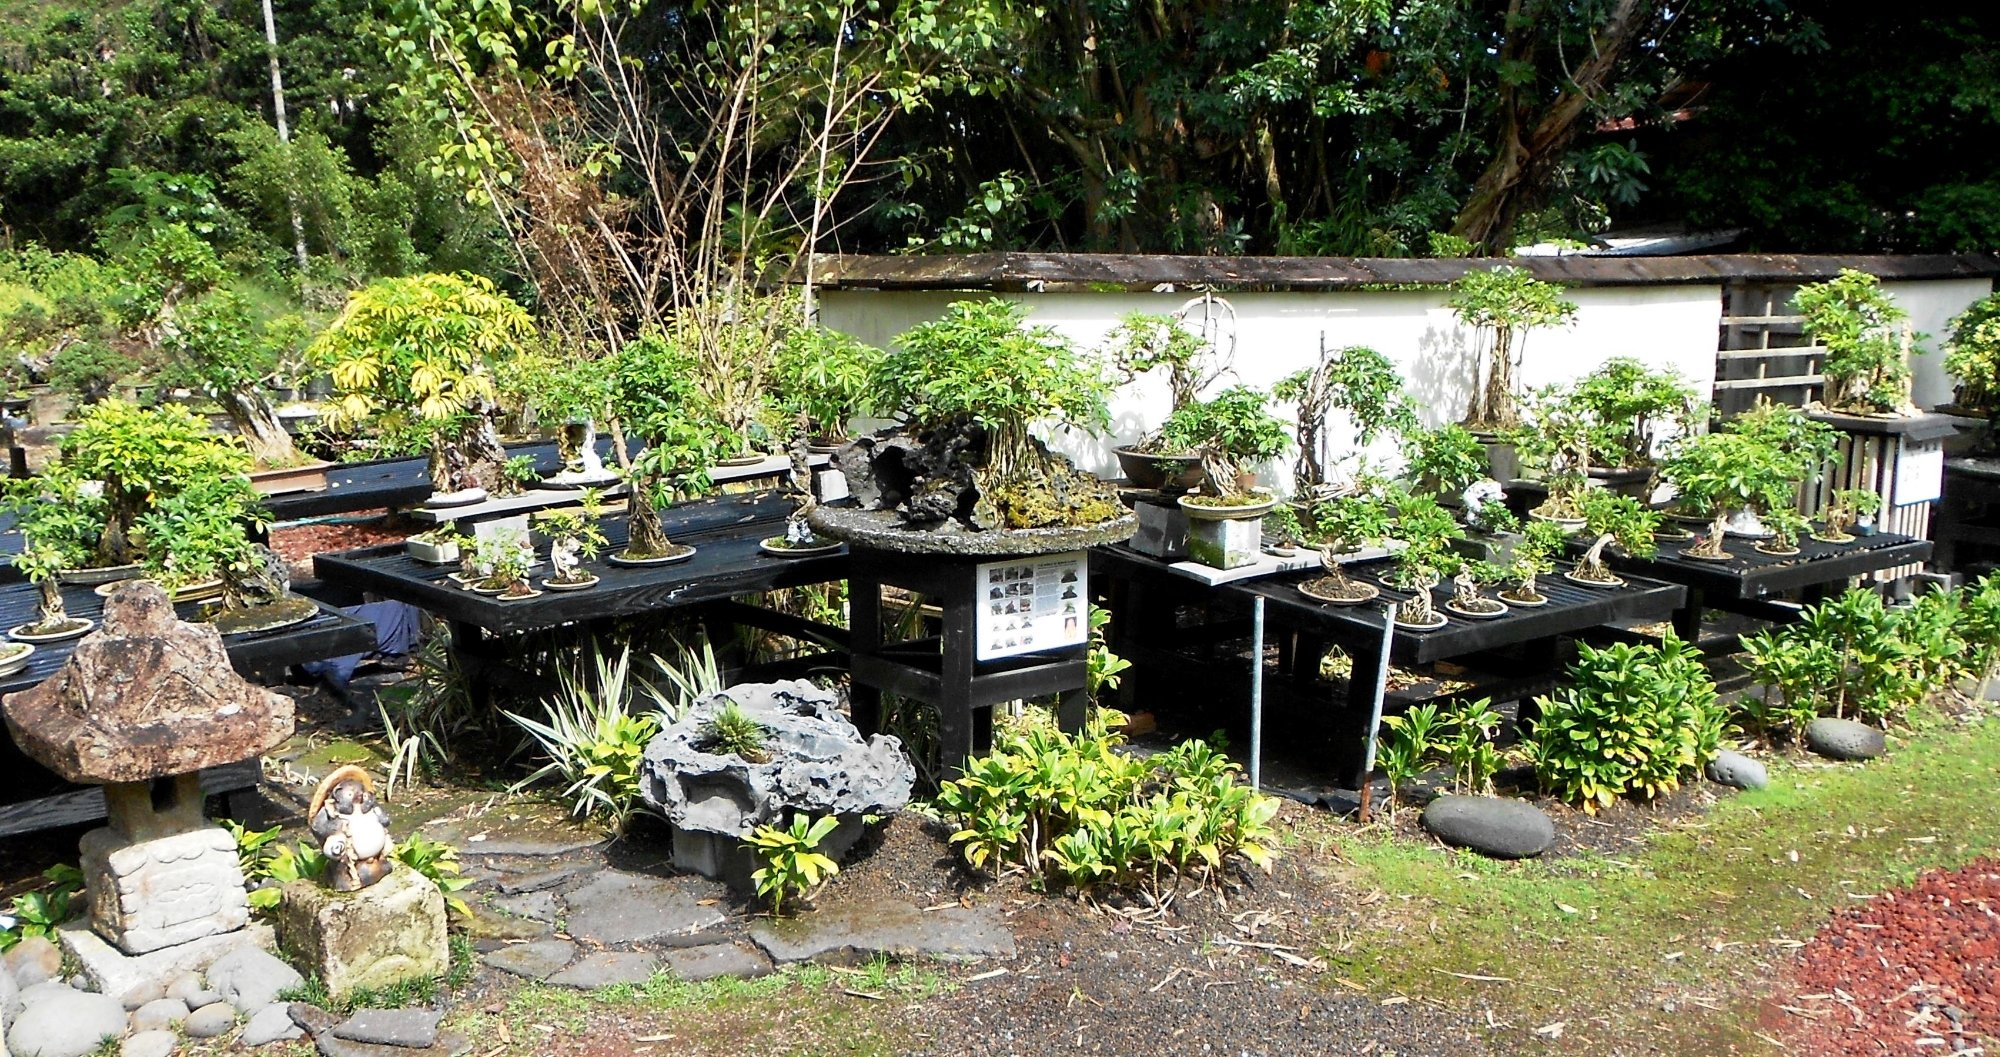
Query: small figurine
(1475, 499)
(564, 554)
(352, 829)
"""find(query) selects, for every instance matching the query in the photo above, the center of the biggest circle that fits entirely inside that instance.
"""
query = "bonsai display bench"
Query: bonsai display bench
(1966, 525)
(725, 532)
(1899, 458)
(54, 802)
(1144, 597)
(1751, 580)
(945, 670)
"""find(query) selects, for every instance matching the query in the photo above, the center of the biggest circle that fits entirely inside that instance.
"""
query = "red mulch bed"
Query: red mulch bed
(1914, 964)
(299, 543)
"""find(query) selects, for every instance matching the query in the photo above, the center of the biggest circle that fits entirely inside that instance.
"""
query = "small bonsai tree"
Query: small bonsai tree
(1868, 343)
(573, 535)
(1785, 523)
(142, 456)
(420, 352)
(1805, 445)
(1350, 522)
(653, 396)
(828, 378)
(42, 564)
(1717, 474)
(1144, 342)
(1973, 358)
(1554, 444)
(571, 393)
(1504, 304)
(58, 512)
(1847, 507)
(1535, 555)
(220, 346)
(1442, 461)
(1233, 431)
(1631, 524)
(1426, 531)
(1630, 410)
(1357, 380)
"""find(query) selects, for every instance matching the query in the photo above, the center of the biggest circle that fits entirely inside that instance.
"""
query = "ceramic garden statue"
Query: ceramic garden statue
(352, 828)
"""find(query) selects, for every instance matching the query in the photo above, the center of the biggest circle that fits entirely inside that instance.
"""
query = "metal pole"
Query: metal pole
(1257, 692)
(1381, 690)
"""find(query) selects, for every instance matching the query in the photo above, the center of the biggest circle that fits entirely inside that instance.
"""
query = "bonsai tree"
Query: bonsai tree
(1844, 511)
(1232, 432)
(573, 535)
(1351, 522)
(1554, 444)
(194, 536)
(1503, 304)
(1465, 596)
(420, 352)
(1144, 342)
(826, 379)
(58, 513)
(1629, 410)
(653, 396)
(1442, 461)
(142, 456)
(41, 564)
(1426, 531)
(1631, 524)
(1357, 380)
(1972, 356)
(1717, 474)
(982, 374)
(1785, 523)
(220, 347)
(571, 393)
(1805, 445)
(88, 370)
(506, 563)
(1868, 343)
(1541, 542)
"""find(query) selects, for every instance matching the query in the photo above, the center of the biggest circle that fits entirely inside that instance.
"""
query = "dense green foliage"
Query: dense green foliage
(1635, 720)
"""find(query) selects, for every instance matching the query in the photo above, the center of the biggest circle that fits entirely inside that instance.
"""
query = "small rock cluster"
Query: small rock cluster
(48, 1016)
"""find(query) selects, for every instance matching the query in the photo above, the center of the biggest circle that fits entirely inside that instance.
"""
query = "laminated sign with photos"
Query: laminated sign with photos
(1031, 604)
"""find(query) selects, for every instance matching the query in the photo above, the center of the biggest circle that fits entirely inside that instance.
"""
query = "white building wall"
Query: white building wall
(1279, 333)
(1931, 305)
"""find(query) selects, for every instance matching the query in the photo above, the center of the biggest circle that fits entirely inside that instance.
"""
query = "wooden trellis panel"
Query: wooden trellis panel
(1762, 350)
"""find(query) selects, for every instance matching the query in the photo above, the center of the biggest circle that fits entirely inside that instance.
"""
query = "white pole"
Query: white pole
(1257, 692)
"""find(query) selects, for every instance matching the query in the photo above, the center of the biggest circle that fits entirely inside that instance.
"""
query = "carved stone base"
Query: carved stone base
(114, 972)
(377, 937)
(148, 894)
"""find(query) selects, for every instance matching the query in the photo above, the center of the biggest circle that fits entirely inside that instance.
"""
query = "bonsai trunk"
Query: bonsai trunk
(51, 612)
(1591, 566)
(114, 546)
(254, 417)
(1496, 406)
(1525, 587)
(646, 538)
(1711, 545)
(486, 457)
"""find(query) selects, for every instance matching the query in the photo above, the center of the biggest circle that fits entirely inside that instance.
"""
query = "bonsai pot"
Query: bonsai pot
(462, 497)
(748, 458)
(1496, 610)
(1772, 549)
(1226, 537)
(1502, 461)
(1615, 581)
(571, 585)
(1513, 597)
(29, 632)
(434, 553)
(305, 477)
(1438, 620)
(1321, 590)
(1197, 510)
(1624, 480)
(14, 657)
(103, 574)
(1169, 473)
(783, 548)
(1571, 525)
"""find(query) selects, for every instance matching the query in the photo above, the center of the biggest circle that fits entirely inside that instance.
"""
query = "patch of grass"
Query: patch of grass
(1692, 913)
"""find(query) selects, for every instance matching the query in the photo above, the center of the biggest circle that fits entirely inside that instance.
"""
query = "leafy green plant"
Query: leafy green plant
(223, 346)
(1426, 531)
(731, 732)
(1413, 737)
(1629, 410)
(143, 456)
(828, 377)
(43, 566)
(1868, 342)
(654, 398)
(1353, 521)
(1979, 624)
(89, 370)
(1972, 356)
(1105, 668)
(1355, 379)
(42, 911)
(1630, 523)
(593, 738)
(1231, 432)
(1468, 745)
(1635, 720)
(1144, 342)
(1443, 461)
(1844, 509)
(791, 866)
(1541, 543)
(1853, 656)
(192, 536)
(1504, 303)
(1805, 445)
(1553, 443)
(517, 474)
(437, 861)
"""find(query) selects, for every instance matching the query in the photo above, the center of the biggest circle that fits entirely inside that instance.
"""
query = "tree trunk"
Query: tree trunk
(646, 538)
(52, 613)
(485, 456)
(254, 417)
(284, 135)
(114, 546)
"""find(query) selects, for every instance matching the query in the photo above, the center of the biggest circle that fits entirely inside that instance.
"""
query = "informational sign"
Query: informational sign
(1032, 604)
(1919, 473)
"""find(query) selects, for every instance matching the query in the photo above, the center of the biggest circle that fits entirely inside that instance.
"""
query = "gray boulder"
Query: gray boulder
(271, 1024)
(1844, 739)
(1735, 769)
(250, 979)
(149, 1044)
(818, 763)
(210, 1021)
(33, 960)
(161, 1014)
(1491, 826)
(141, 993)
(63, 1022)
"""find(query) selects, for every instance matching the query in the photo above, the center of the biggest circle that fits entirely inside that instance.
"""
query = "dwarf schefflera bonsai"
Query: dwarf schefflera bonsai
(1232, 433)
(1868, 342)
(1503, 304)
(142, 457)
(654, 399)
(968, 388)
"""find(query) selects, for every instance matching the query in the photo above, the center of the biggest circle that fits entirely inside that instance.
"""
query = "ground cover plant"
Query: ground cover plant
(1633, 721)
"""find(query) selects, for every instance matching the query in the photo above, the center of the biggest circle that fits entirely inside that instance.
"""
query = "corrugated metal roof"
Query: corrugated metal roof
(1019, 271)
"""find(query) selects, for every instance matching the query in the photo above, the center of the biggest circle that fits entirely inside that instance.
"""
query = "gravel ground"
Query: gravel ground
(1916, 970)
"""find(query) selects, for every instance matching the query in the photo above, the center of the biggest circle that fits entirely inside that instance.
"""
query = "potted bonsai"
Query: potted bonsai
(1727, 478)
(219, 346)
(1495, 531)
(418, 353)
(1140, 344)
(1351, 522)
(827, 378)
(1868, 342)
(193, 536)
(1847, 508)
(1554, 446)
(1610, 519)
(1503, 305)
(1785, 523)
(1357, 380)
(503, 569)
(41, 564)
(653, 396)
(1972, 358)
(1231, 432)
(969, 389)
(1466, 599)
(1334, 585)
(1629, 412)
(1541, 542)
(1427, 532)
(573, 537)
(1442, 462)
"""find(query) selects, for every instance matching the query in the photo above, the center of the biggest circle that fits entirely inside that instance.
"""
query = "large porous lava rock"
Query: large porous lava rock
(1844, 739)
(147, 696)
(926, 479)
(816, 763)
(1490, 825)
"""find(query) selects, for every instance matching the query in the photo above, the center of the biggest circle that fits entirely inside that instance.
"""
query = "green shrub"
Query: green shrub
(439, 862)
(38, 913)
(1413, 737)
(791, 865)
(1469, 746)
(594, 739)
(1076, 809)
(1856, 657)
(1635, 720)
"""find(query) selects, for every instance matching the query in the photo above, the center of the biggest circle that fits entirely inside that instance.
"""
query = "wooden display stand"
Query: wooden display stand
(1898, 458)
(962, 671)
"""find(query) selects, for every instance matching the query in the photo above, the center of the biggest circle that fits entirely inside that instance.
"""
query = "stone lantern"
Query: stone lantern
(140, 708)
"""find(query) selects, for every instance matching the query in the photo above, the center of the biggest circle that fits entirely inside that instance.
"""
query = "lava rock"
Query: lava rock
(1735, 769)
(817, 763)
(33, 960)
(159, 1015)
(251, 979)
(1844, 739)
(63, 1022)
(273, 1023)
(149, 1044)
(210, 1021)
(1490, 825)
(411, 1028)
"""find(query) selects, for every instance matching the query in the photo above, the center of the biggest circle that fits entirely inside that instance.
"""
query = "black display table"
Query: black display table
(1144, 596)
(1966, 526)
(1751, 579)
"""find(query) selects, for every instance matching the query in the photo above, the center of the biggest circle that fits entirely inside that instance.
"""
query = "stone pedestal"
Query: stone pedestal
(148, 894)
(1163, 530)
(1229, 544)
(378, 937)
(113, 972)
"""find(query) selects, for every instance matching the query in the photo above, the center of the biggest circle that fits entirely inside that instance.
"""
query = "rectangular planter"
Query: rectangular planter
(1226, 544)
(308, 477)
